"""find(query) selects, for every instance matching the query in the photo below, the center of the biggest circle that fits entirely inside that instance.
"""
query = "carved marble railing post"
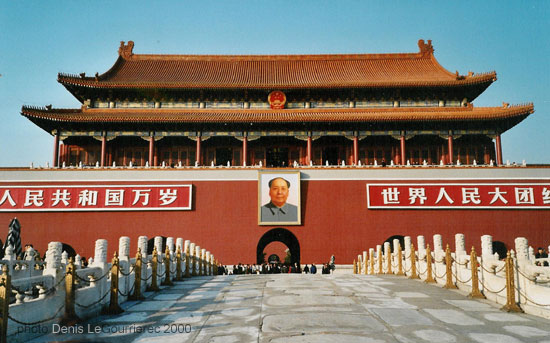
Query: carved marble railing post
(371, 260)
(522, 249)
(179, 274)
(439, 253)
(64, 258)
(399, 257)
(142, 246)
(421, 243)
(53, 261)
(365, 262)
(203, 261)
(100, 261)
(380, 259)
(407, 254)
(170, 244)
(207, 263)
(198, 261)
(192, 259)
(388, 256)
(124, 263)
(412, 255)
(187, 256)
(460, 245)
(487, 247)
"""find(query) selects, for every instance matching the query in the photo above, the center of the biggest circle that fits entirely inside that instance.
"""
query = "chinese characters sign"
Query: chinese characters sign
(95, 198)
(458, 196)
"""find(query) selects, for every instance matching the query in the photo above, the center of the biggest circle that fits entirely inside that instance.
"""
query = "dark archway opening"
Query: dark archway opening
(500, 249)
(279, 235)
(69, 249)
(390, 240)
(151, 244)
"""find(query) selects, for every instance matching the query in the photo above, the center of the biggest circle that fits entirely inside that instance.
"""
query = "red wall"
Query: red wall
(335, 220)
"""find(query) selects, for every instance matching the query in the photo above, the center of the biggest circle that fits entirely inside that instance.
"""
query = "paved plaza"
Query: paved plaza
(308, 308)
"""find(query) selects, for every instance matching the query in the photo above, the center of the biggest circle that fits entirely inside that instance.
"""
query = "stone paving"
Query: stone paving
(309, 308)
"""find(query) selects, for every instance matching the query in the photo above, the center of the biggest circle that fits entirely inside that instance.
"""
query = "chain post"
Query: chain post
(414, 275)
(167, 262)
(475, 293)
(154, 265)
(511, 305)
(399, 260)
(114, 308)
(179, 275)
(70, 317)
(429, 276)
(448, 269)
(5, 291)
(137, 277)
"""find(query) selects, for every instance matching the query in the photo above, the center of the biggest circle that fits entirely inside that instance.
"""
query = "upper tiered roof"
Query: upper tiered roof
(286, 72)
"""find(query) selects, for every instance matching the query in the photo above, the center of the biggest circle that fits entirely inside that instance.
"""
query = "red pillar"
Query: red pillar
(498, 149)
(308, 158)
(403, 155)
(151, 151)
(198, 152)
(245, 150)
(355, 150)
(56, 150)
(450, 147)
(103, 145)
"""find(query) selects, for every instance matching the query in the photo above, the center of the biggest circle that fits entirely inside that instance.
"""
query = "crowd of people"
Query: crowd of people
(273, 268)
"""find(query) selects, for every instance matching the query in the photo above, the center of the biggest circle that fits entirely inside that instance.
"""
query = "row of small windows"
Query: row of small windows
(260, 105)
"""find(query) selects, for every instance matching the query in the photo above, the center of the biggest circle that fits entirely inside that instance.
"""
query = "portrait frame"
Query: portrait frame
(293, 200)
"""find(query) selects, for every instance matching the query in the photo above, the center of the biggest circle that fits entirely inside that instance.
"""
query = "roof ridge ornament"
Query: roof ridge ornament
(425, 49)
(126, 50)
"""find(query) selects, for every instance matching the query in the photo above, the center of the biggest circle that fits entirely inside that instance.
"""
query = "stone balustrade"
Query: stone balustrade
(60, 290)
(520, 282)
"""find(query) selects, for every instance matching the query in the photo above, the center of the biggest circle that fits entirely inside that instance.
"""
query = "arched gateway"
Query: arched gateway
(279, 235)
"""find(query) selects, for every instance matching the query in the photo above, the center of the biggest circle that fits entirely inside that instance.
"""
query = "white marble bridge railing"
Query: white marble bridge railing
(520, 282)
(60, 290)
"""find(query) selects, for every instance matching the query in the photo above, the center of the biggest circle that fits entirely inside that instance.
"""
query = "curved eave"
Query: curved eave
(67, 81)
(213, 116)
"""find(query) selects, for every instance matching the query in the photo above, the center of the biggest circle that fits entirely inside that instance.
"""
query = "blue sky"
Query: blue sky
(38, 39)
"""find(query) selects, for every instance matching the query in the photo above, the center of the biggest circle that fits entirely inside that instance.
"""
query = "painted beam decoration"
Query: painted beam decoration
(459, 196)
(95, 198)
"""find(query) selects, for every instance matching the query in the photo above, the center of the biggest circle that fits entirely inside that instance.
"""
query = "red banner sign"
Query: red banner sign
(458, 196)
(95, 198)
